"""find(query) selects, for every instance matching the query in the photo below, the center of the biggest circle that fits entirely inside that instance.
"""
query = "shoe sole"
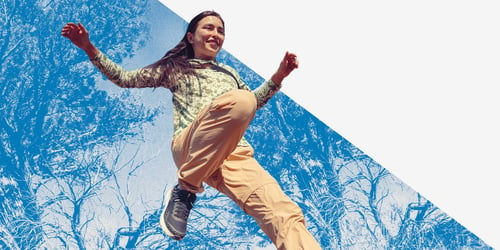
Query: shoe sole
(162, 221)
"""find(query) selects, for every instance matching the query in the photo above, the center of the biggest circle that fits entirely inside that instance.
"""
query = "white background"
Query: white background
(412, 84)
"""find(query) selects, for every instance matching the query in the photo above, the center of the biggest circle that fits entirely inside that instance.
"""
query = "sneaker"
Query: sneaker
(174, 217)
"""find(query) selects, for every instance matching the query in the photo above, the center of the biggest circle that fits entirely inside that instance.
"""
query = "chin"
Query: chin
(213, 55)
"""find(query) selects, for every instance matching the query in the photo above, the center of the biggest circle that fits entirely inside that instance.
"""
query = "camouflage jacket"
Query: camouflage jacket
(189, 94)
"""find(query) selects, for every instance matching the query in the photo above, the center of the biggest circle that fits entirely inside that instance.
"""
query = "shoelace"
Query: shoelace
(181, 209)
(182, 205)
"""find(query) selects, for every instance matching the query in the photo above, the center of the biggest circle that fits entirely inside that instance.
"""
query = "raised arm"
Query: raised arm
(79, 36)
(139, 78)
(269, 88)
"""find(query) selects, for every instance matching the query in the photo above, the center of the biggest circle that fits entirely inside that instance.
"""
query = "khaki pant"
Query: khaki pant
(207, 151)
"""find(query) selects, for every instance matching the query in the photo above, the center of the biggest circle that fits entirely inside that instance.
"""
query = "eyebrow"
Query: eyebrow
(213, 25)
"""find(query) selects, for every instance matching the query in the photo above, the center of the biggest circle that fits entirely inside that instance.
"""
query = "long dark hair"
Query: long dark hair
(176, 60)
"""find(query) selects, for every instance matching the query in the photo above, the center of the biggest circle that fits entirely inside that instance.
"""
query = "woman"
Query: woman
(212, 110)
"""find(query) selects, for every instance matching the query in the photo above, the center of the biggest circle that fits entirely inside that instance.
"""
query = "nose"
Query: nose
(216, 33)
(219, 36)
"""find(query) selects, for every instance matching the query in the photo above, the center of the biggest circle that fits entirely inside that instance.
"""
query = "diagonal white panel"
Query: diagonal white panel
(413, 85)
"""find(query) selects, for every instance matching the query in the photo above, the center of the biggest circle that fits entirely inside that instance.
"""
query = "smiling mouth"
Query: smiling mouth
(213, 42)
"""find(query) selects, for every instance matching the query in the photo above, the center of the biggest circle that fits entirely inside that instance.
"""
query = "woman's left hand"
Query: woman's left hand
(287, 65)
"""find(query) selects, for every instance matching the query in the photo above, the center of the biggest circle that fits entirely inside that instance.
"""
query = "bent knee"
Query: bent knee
(245, 98)
(244, 104)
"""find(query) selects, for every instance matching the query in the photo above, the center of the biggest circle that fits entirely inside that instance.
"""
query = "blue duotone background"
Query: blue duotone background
(85, 164)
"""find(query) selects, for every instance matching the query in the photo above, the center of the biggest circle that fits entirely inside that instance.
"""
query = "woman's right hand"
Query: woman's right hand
(79, 36)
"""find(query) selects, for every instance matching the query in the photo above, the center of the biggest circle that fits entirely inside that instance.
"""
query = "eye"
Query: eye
(221, 31)
(211, 27)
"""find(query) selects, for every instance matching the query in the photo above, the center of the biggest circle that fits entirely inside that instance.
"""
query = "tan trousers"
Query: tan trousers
(207, 151)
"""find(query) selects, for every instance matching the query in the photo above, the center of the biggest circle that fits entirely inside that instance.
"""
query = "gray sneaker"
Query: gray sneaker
(174, 217)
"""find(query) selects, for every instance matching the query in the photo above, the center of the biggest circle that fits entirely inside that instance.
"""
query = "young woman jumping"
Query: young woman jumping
(212, 108)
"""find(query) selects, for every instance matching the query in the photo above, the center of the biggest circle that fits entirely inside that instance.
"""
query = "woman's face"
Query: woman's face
(208, 38)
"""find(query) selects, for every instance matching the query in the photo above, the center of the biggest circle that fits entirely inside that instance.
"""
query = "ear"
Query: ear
(189, 37)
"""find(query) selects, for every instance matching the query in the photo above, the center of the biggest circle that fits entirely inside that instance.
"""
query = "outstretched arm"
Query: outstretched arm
(79, 36)
(139, 78)
(270, 87)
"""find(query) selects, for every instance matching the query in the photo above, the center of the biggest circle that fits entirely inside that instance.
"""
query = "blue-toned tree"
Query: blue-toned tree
(52, 114)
